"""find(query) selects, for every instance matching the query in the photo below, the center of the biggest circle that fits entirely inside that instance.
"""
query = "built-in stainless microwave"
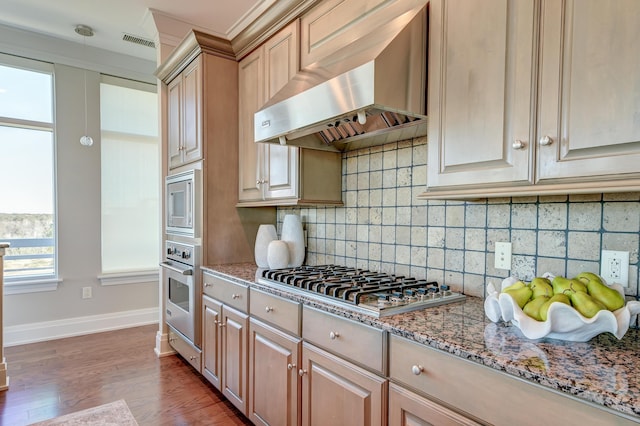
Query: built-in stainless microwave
(183, 193)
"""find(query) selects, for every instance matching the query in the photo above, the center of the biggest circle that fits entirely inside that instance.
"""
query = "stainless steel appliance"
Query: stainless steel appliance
(370, 93)
(371, 293)
(183, 306)
(182, 206)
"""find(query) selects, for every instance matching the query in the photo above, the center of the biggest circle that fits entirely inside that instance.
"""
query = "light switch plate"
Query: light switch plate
(503, 255)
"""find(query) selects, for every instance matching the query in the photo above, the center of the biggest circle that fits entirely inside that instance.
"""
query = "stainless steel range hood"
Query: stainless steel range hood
(370, 93)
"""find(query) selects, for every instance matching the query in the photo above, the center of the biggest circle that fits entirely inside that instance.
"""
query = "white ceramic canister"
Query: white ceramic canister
(278, 254)
(266, 234)
(293, 234)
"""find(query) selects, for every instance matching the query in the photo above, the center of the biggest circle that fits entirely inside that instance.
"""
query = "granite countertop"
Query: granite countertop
(604, 370)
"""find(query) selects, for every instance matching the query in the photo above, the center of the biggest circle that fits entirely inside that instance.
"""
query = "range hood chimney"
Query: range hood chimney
(370, 93)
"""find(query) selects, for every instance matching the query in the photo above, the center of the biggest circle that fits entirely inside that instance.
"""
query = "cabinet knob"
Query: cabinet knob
(333, 335)
(518, 144)
(302, 372)
(192, 358)
(291, 366)
(546, 140)
(235, 296)
(417, 369)
(268, 309)
(208, 285)
(221, 324)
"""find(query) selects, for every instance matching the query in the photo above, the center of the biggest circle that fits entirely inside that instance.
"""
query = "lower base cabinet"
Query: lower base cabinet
(274, 383)
(336, 392)
(409, 409)
(225, 334)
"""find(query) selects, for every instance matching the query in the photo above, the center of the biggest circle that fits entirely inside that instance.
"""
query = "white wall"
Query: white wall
(45, 315)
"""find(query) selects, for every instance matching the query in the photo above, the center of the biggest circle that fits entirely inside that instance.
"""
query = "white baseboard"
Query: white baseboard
(58, 329)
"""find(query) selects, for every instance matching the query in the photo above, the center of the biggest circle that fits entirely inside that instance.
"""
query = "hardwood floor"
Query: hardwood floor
(58, 377)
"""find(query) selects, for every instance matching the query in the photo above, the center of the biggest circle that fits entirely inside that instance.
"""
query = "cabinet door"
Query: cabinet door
(408, 409)
(211, 340)
(589, 89)
(280, 163)
(192, 111)
(273, 376)
(234, 357)
(336, 392)
(174, 112)
(250, 99)
(481, 91)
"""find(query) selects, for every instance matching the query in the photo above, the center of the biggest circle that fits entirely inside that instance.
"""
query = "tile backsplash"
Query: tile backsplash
(383, 226)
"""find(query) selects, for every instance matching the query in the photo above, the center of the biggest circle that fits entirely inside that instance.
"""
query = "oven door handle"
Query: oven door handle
(181, 271)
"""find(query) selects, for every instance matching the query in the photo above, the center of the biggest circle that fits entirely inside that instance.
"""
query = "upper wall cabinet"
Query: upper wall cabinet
(185, 112)
(530, 99)
(272, 174)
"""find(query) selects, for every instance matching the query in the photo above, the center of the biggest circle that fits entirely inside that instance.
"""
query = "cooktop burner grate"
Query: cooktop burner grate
(373, 293)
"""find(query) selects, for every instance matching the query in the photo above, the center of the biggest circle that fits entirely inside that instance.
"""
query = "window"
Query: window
(27, 178)
(130, 168)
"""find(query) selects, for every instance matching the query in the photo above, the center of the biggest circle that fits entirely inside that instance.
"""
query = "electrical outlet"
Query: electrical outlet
(503, 255)
(614, 267)
(86, 293)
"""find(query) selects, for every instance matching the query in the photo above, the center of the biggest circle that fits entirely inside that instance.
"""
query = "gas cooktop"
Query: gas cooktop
(372, 293)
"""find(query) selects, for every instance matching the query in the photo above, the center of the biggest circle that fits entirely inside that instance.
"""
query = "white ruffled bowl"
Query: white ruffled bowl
(563, 321)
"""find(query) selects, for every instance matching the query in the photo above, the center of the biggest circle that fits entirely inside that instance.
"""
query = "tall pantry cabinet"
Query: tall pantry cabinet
(533, 97)
(202, 131)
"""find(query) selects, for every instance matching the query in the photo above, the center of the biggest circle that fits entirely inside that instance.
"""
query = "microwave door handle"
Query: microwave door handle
(189, 204)
(170, 209)
(178, 270)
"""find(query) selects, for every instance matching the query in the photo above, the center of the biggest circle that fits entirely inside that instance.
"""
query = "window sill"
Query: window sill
(134, 277)
(31, 286)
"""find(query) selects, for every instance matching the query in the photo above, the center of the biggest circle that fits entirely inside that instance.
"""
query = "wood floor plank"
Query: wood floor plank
(50, 379)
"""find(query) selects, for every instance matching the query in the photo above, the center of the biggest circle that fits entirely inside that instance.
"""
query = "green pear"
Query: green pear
(585, 304)
(541, 287)
(561, 284)
(560, 298)
(515, 286)
(532, 308)
(521, 295)
(585, 277)
(605, 294)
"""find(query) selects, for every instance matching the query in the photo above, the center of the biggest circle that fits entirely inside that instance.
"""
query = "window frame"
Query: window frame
(36, 283)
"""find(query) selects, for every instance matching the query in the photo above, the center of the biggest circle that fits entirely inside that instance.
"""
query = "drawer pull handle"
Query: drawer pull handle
(302, 372)
(268, 309)
(417, 369)
(208, 285)
(192, 358)
(291, 366)
(235, 296)
(333, 335)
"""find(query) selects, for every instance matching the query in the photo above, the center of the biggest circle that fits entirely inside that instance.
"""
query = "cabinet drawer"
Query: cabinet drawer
(458, 383)
(276, 310)
(348, 339)
(227, 292)
(189, 352)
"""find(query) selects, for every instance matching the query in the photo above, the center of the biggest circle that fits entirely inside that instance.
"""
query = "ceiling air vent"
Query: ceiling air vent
(138, 40)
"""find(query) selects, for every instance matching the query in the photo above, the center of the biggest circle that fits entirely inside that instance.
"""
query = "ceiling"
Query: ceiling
(111, 19)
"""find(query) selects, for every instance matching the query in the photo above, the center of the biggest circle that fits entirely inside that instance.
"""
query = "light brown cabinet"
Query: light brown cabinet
(274, 383)
(225, 328)
(410, 409)
(185, 115)
(272, 174)
(337, 392)
(274, 358)
(526, 99)
(458, 383)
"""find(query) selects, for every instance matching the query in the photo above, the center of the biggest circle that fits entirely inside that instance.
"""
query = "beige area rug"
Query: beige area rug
(112, 414)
